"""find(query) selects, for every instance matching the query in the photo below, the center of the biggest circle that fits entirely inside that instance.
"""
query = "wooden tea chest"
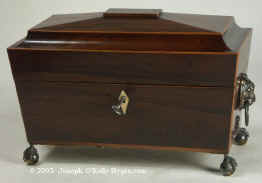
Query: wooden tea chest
(134, 78)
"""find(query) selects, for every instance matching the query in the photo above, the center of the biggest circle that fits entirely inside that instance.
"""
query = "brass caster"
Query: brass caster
(31, 156)
(228, 166)
(241, 136)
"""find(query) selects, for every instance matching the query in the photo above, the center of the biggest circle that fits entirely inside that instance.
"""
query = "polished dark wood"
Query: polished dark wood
(165, 32)
(132, 146)
(130, 42)
(179, 71)
(156, 115)
(132, 68)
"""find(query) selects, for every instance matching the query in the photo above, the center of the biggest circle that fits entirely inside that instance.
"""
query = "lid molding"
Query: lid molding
(169, 32)
(132, 13)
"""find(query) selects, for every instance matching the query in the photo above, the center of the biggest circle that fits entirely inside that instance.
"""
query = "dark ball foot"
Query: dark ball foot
(228, 166)
(31, 156)
(241, 136)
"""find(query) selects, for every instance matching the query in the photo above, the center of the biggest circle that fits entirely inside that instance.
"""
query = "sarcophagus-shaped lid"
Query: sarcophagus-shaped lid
(136, 30)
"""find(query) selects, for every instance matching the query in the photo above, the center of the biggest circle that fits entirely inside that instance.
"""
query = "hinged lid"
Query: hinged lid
(137, 30)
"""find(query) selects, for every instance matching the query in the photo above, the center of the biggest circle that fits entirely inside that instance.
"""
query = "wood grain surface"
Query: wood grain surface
(134, 68)
(179, 71)
(194, 117)
(135, 30)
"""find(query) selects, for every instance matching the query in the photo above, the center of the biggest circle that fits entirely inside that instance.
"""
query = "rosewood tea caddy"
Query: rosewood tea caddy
(135, 78)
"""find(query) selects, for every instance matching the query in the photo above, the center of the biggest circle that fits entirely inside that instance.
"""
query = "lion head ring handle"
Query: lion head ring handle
(246, 94)
(121, 107)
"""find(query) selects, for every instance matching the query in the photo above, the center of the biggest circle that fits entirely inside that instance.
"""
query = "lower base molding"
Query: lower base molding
(214, 151)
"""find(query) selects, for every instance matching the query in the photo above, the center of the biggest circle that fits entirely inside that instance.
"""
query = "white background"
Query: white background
(17, 16)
